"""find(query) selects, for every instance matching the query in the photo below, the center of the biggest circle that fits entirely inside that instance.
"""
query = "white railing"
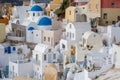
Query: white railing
(14, 38)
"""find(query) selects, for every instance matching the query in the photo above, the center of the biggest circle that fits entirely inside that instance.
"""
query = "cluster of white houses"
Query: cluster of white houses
(70, 49)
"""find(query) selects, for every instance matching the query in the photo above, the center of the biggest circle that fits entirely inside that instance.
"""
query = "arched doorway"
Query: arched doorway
(84, 17)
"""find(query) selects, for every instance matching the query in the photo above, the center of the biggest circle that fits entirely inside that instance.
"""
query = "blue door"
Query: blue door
(9, 50)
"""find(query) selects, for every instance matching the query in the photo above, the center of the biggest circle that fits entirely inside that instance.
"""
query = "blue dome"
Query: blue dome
(36, 8)
(31, 28)
(45, 21)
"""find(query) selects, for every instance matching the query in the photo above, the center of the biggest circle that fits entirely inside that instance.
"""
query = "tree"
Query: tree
(61, 10)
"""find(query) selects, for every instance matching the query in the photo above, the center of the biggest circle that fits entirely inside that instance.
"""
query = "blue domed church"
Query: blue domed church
(34, 32)
(36, 12)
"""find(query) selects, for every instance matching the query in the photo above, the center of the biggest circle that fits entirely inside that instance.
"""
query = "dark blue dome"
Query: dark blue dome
(31, 28)
(45, 21)
(36, 8)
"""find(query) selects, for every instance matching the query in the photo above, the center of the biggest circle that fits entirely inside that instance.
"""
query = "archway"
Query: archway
(84, 17)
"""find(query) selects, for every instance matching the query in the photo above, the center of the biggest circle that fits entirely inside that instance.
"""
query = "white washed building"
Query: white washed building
(21, 68)
(113, 34)
(43, 55)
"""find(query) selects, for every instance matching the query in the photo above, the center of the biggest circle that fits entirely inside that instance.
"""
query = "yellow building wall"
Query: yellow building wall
(70, 14)
(94, 6)
(112, 14)
(56, 2)
(92, 10)
(2, 33)
(54, 5)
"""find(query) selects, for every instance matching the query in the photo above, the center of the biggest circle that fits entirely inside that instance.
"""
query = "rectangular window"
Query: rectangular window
(67, 34)
(44, 38)
(45, 57)
(38, 14)
(49, 39)
(69, 12)
(70, 26)
(36, 57)
(105, 16)
(70, 35)
(63, 46)
(49, 50)
(54, 56)
(33, 14)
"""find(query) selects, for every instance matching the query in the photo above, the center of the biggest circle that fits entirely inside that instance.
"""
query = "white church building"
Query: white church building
(34, 32)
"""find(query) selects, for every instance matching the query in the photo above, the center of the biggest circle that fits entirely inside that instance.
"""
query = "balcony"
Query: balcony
(15, 38)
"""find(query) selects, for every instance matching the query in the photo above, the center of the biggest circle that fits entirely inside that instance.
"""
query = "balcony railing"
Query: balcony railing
(15, 38)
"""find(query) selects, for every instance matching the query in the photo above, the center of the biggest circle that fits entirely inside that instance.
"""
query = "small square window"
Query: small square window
(14, 49)
(36, 34)
(112, 4)
(49, 50)
(76, 11)
(105, 16)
